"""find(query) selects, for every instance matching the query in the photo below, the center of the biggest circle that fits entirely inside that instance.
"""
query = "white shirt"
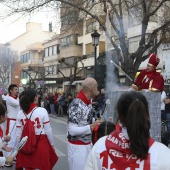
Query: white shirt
(12, 107)
(163, 96)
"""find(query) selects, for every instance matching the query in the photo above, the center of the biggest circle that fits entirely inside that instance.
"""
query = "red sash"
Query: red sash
(117, 147)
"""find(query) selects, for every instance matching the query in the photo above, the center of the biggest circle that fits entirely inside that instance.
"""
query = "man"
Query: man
(12, 103)
(149, 79)
(80, 125)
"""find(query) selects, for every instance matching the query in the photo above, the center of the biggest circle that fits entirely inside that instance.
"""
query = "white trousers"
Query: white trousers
(77, 155)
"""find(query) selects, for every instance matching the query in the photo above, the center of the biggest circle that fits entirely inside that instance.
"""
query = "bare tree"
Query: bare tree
(117, 13)
(7, 58)
(74, 70)
(39, 74)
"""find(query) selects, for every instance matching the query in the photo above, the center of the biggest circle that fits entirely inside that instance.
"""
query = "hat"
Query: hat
(153, 60)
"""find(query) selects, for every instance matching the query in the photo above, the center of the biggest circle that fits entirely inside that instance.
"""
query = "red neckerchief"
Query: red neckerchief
(117, 147)
(1, 132)
(15, 97)
(149, 74)
(32, 106)
(82, 96)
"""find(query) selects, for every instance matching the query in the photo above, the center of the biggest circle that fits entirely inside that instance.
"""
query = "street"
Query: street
(59, 131)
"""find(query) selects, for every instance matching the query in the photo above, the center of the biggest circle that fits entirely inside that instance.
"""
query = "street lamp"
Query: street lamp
(95, 41)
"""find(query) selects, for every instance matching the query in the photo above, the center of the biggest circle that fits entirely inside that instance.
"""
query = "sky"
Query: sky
(11, 28)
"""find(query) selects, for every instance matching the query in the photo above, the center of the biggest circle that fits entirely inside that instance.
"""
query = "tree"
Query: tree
(7, 58)
(40, 74)
(102, 69)
(74, 70)
(117, 13)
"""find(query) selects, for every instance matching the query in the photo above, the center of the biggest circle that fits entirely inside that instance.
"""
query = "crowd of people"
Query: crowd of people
(93, 144)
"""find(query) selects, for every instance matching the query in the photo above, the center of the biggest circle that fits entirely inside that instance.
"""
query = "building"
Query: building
(33, 36)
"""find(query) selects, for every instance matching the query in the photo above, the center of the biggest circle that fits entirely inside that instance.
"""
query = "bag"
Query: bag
(29, 131)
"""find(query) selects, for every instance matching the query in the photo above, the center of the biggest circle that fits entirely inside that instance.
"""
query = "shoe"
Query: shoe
(8, 165)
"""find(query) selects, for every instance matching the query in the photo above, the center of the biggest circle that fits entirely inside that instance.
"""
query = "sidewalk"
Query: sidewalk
(64, 118)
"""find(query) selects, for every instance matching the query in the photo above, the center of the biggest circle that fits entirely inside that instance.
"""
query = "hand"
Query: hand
(7, 138)
(7, 149)
(97, 122)
(9, 159)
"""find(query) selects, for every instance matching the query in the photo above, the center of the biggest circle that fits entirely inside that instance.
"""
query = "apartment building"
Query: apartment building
(34, 35)
(53, 80)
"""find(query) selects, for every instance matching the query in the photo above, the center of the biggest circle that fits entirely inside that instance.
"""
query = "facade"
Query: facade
(33, 34)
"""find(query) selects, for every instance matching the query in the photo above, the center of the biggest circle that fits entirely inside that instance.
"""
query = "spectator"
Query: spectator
(61, 102)
(70, 99)
(56, 102)
(51, 102)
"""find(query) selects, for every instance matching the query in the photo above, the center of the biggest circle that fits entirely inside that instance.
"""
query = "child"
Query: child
(105, 128)
(3, 117)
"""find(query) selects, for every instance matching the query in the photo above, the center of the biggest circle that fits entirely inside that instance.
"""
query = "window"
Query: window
(50, 51)
(46, 52)
(54, 49)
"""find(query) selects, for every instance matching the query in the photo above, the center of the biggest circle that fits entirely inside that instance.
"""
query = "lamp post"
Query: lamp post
(95, 41)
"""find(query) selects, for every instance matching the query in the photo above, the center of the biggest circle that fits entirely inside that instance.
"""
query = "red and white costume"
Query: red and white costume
(13, 108)
(112, 153)
(79, 132)
(44, 157)
(2, 159)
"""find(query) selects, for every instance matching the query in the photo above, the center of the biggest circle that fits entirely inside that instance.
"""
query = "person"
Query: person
(3, 117)
(70, 99)
(149, 79)
(44, 156)
(51, 101)
(12, 103)
(163, 100)
(130, 145)
(105, 128)
(80, 125)
(62, 103)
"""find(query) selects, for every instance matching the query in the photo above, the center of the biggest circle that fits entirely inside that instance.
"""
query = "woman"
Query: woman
(44, 156)
(130, 146)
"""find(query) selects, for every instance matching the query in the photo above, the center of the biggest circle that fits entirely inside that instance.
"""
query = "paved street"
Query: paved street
(59, 131)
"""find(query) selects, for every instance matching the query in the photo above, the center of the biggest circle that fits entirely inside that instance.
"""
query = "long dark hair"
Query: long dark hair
(26, 98)
(134, 115)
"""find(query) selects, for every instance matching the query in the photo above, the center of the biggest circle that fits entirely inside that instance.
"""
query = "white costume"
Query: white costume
(79, 133)
(41, 120)
(12, 110)
(99, 158)
(2, 159)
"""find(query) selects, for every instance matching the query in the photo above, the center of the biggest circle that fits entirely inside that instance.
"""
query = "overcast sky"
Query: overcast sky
(10, 28)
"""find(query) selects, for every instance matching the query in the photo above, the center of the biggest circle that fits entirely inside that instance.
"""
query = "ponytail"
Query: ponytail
(138, 125)
(134, 115)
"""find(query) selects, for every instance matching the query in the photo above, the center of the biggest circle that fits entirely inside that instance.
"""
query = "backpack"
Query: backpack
(29, 131)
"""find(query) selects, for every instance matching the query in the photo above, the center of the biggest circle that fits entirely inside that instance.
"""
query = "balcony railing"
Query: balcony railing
(34, 62)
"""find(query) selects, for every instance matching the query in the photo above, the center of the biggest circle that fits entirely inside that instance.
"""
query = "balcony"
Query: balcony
(35, 63)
